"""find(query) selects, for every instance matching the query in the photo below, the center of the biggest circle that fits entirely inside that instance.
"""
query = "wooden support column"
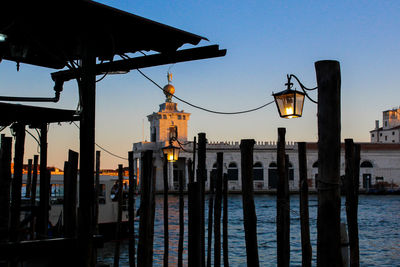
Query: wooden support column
(70, 194)
(202, 177)
(249, 210)
(194, 231)
(147, 209)
(210, 217)
(33, 195)
(120, 198)
(97, 190)
(217, 210)
(44, 205)
(166, 237)
(181, 221)
(87, 92)
(304, 216)
(5, 181)
(29, 179)
(19, 130)
(225, 221)
(131, 211)
(328, 220)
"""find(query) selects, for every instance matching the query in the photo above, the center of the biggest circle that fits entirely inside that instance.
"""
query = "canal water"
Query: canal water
(379, 231)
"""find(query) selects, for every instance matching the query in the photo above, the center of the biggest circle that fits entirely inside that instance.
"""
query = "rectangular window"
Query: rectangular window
(179, 117)
(164, 117)
(372, 135)
(392, 133)
(385, 137)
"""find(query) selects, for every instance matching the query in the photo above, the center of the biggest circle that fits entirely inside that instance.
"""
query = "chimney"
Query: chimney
(376, 124)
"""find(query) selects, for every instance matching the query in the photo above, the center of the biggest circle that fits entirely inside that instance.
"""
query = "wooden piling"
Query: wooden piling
(194, 235)
(29, 179)
(351, 188)
(210, 217)
(96, 194)
(202, 177)
(44, 204)
(181, 221)
(70, 194)
(217, 210)
(282, 204)
(225, 221)
(304, 215)
(249, 211)
(147, 205)
(166, 236)
(15, 208)
(33, 196)
(5, 181)
(190, 165)
(120, 198)
(131, 211)
(328, 220)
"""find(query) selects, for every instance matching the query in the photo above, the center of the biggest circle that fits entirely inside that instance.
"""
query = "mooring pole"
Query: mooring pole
(249, 210)
(33, 196)
(282, 204)
(120, 198)
(225, 221)
(217, 210)
(210, 217)
(328, 221)
(202, 177)
(165, 211)
(96, 194)
(131, 211)
(5, 181)
(194, 231)
(43, 214)
(29, 179)
(304, 216)
(181, 221)
(70, 194)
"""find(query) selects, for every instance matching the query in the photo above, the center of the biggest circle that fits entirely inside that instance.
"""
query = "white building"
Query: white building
(390, 131)
(379, 162)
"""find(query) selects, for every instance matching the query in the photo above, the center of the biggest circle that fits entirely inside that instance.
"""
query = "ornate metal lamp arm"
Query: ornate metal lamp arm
(303, 88)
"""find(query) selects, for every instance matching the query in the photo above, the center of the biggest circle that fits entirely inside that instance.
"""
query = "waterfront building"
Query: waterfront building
(380, 162)
(390, 130)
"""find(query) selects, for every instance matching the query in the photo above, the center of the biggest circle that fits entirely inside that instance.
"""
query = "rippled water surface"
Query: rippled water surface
(379, 224)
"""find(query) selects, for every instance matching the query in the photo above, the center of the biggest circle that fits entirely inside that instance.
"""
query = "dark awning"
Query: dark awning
(33, 116)
(51, 33)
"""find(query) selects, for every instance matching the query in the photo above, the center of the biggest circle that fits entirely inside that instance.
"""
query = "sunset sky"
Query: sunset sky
(265, 41)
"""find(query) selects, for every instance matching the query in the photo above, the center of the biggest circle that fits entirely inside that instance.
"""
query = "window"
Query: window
(164, 117)
(385, 137)
(372, 135)
(380, 134)
(258, 172)
(366, 164)
(184, 117)
(272, 175)
(233, 172)
(392, 133)
(57, 193)
(386, 123)
(179, 117)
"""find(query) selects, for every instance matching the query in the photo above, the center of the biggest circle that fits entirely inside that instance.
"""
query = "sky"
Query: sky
(265, 41)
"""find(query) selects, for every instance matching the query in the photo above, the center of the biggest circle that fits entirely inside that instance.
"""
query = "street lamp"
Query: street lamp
(172, 152)
(290, 102)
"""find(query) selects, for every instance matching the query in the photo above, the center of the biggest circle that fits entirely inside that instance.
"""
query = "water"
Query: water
(379, 224)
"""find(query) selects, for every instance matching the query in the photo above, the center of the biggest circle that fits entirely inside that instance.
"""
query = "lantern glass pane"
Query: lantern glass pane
(286, 104)
(299, 104)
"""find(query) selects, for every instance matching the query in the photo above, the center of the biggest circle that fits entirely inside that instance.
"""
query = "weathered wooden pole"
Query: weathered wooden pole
(190, 165)
(131, 211)
(96, 194)
(70, 194)
(249, 210)
(44, 205)
(120, 198)
(33, 196)
(5, 181)
(210, 217)
(166, 236)
(282, 204)
(351, 188)
(181, 221)
(225, 221)
(217, 210)
(202, 177)
(15, 208)
(147, 209)
(304, 216)
(328, 221)
(194, 231)
(29, 179)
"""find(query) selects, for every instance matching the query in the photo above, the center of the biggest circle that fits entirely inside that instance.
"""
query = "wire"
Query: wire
(205, 109)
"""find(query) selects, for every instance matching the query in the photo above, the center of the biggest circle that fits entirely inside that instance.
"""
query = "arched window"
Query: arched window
(258, 172)
(272, 175)
(291, 172)
(366, 164)
(233, 172)
(315, 164)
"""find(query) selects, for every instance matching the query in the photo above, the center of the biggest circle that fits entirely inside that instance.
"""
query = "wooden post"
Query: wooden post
(119, 215)
(202, 177)
(304, 216)
(351, 188)
(249, 211)
(217, 210)
(33, 195)
(194, 235)
(29, 179)
(70, 194)
(328, 220)
(44, 205)
(181, 221)
(194, 158)
(282, 204)
(146, 224)
(17, 181)
(131, 211)
(166, 237)
(5, 181)
(190, 165)
(210, 217)
(96, 194)
(225, 221)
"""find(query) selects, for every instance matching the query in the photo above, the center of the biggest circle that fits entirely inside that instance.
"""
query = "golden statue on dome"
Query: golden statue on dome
(169, 89)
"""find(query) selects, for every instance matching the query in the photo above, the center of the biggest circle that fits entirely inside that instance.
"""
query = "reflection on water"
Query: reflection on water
(379, 224)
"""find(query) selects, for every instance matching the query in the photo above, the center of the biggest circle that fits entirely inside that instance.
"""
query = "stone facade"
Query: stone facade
(390, 130)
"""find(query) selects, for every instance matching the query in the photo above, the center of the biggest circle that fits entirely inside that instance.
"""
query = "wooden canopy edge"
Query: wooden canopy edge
(147, 61)
(34, 116)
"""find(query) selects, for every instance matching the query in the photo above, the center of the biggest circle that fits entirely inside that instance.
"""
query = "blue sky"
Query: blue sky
(265, 41)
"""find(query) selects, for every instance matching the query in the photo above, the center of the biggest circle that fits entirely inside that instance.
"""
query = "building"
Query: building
(390, 130)
(380, 163)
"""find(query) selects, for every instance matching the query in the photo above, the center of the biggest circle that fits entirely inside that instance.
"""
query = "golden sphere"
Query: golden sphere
(169, 89)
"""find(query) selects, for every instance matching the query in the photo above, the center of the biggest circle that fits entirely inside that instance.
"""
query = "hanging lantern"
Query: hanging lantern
(289, 103)
(172, 152)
